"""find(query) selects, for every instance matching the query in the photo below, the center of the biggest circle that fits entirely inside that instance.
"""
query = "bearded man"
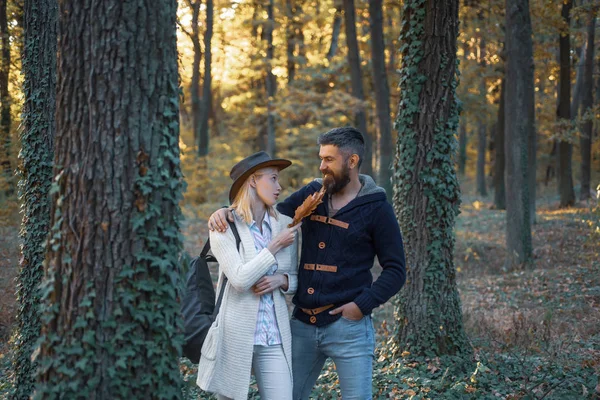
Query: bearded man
(336, 293)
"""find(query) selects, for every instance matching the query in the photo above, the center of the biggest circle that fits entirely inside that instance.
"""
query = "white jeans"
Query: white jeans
(271, 372)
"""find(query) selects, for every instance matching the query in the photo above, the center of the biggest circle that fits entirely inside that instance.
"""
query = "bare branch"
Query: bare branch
(188, 33)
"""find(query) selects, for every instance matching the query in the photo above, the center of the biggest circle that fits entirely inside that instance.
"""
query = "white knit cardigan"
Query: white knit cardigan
(226, 359)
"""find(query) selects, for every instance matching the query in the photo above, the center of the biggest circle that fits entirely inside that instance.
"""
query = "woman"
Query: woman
(252, 329)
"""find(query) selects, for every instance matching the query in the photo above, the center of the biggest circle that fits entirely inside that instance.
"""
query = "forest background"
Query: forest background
(272, 75)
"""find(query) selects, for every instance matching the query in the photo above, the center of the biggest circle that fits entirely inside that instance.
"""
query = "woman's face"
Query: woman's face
(266, 183)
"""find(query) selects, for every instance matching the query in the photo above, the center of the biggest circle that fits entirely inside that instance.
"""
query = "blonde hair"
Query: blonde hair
(242, 203)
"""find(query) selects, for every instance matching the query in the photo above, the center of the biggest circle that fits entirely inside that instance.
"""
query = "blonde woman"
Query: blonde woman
(252, 329)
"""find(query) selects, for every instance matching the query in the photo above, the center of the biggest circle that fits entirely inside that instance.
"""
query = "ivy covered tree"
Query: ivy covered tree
(111, 326)
(426, 191)
(37, 138)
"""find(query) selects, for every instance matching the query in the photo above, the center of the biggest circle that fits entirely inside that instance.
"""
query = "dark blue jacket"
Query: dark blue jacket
(337, 256)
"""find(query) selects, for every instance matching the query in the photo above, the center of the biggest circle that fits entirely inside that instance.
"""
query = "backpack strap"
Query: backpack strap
(237, 245)
(206, 248)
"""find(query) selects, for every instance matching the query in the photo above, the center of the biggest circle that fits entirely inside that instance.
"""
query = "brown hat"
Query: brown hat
(243, 169)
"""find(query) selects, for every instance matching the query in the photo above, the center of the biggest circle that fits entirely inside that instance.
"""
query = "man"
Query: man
(336, 293)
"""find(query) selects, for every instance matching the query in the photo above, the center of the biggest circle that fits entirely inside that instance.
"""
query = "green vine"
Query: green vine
(35, 172)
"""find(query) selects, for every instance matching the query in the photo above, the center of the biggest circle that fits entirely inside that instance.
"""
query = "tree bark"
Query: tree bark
(336, 28)
(206, 104)
(427, 193)
(500, 163)
(519, 126)
(481, 120)
(577, 90)
(532, 170)
(587, 102)
(463, 135)
(291, 42)
(254, 24)
(271, 83)
(462, 145)
(111, 314)
(481, 151)
(382, 96)
(360, 117)
(392, 49)
(37, 149)
(194, 35)
(299, 32)
(565, 148)
(5, 100)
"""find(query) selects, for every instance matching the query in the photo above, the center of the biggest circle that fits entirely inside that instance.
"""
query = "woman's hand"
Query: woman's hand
(269, 283)
(285, 238)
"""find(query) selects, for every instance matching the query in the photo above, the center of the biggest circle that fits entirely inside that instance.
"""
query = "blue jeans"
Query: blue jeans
(351, 346)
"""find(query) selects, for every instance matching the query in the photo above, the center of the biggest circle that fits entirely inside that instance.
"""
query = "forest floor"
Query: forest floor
(535, 331)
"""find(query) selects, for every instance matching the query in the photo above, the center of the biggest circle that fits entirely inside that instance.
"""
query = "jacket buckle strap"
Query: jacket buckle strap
(315, 311)
(320, 267)
(330, 221)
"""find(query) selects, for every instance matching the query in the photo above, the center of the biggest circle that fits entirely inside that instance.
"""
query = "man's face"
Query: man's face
(333, 163)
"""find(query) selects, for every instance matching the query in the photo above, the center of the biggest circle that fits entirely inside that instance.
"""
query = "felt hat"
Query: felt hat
(243, 169)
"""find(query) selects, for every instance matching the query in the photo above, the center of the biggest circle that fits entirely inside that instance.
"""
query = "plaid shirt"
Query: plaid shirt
(267, 331)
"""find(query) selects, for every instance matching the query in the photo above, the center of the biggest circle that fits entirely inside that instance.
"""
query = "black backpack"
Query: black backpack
(198, 304)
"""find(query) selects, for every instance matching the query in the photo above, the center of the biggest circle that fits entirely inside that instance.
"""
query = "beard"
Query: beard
(339, 180)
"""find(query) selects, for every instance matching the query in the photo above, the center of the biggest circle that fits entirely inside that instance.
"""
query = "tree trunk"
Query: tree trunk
(532, 169)
(462, 135)
(382, 96)
(481, 150)
(462, 145)
(299, 31)
(481, 121)
(360, 117)
(111, 314)
(499, 164)
(254, 21)
(5, 100)
(294, 37)
(271, 83)
(206, 103)
(426, 191)
(585, 141)
(519, 126)
(291, 42)
(194, 36)
(37, 138)
(577, 90)
(336, 28)
(550, 170)
(565, 149)
(392, 49)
